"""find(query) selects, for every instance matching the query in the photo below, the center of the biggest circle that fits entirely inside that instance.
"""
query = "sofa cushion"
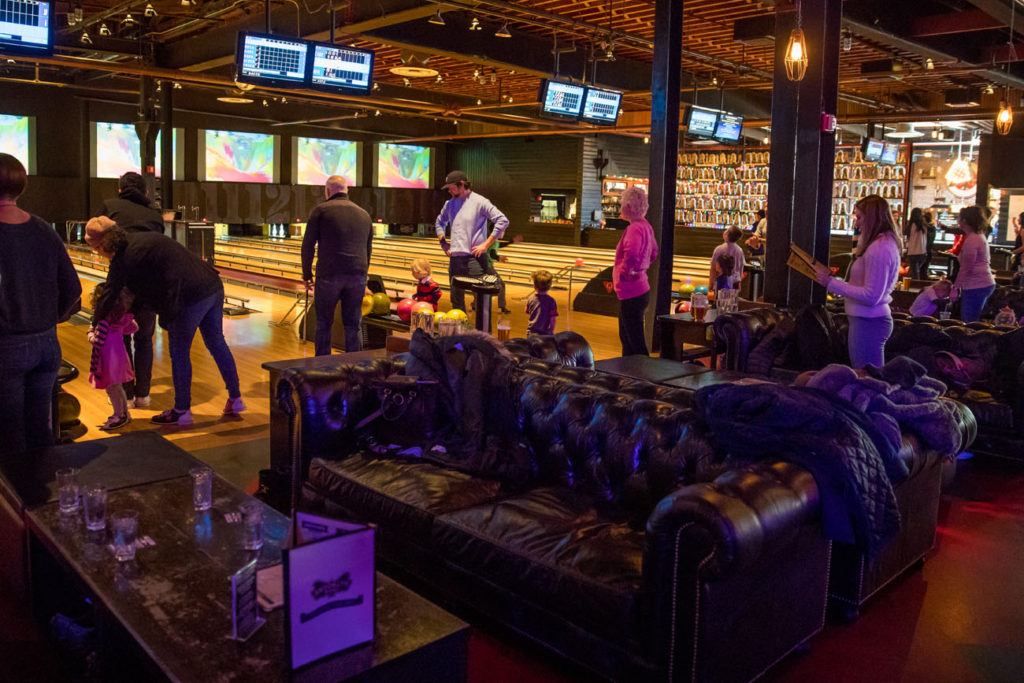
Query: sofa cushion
(400, 494)
(551, 546)
(988, 410)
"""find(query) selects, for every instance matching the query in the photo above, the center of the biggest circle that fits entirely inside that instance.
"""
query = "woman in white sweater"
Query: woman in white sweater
(872, 277)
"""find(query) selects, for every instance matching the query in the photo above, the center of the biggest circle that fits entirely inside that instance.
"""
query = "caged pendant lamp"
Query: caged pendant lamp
(796, 51)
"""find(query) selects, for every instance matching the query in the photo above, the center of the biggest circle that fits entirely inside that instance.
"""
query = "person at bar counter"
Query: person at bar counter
(975, 278)
(132, 207)
(38, 289)
(341, 235)
(187, 294)
(916, 234)
(636, 250)
(867, 294)
(467, 214)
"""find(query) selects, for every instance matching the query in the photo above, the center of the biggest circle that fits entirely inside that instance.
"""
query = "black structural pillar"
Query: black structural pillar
(668, 43)
(802, 155)
(167, 146)
(146, 127)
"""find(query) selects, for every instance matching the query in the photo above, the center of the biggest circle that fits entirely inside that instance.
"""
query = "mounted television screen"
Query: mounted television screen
(236, 157)
(890, 153)
(701, 122)
(116, 150)
(560, 100)
(872, 149)
(271, 60)
(26, 26)
(317, 159)
(403, 166)
(16, 139)
(729, 128)
(337, 67)
(601, 106)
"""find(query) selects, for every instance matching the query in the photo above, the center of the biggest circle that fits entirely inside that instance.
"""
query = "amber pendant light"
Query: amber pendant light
(796, 51)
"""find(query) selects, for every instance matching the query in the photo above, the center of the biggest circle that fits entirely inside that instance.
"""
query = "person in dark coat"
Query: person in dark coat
(38, 289)
(132, 207)
(186, 293)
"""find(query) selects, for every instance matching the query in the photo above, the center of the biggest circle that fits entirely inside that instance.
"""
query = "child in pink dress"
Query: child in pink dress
(110, 366)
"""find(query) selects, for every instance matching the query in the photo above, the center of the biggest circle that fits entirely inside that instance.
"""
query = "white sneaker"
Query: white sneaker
(234, 406)
(142, 401)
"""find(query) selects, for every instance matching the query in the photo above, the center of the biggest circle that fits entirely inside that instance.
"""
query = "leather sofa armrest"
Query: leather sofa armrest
(715, 529)
(1018, 402)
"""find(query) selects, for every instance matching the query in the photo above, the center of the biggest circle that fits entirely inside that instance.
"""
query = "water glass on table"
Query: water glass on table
(94, 499)
(252, 525)
(67, 490)
(124, 529)
(202, 488)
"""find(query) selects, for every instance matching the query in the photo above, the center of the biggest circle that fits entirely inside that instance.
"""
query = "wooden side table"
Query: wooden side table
(683, 338)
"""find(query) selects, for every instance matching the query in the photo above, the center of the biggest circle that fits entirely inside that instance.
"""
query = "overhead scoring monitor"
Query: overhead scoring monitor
(337, 67)
(872, 149)
(270, 60)
(26, 26)
(601, 106)
(561, 100)
(729, 128)
(890, 153)
(701, 122)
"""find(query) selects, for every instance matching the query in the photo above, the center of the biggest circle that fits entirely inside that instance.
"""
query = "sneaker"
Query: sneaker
(142, 401)
(182, 418)
(115, 422)
(234, 406)
(505, 310)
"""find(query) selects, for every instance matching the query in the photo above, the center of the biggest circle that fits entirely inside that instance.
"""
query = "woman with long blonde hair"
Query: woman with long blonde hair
(873, 275)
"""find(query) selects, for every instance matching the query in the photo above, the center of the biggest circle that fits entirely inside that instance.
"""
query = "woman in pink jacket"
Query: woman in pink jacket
(633, 256)
(975, 278)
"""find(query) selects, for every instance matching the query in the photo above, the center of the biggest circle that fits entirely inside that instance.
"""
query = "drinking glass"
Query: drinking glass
(67, 490)
(124, 528)
(94, 499)
(202, 487)
(252, 525)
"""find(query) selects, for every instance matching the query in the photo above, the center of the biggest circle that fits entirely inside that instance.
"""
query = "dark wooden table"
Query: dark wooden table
(680, 329)
(173, 600)
(657, 370)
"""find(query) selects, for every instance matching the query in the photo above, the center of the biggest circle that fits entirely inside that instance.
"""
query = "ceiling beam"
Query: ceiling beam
(952, 23)
(1001, 12)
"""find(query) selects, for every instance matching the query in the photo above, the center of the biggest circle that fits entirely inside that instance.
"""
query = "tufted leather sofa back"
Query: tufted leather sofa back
(567, 349)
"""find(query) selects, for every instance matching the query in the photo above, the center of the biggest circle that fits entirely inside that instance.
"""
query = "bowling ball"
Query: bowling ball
(457, 314)
(700, 289)
(686, 289)
(439, 316)
(367, 304)
(579, 262)
(683, 307)
(421, 307)
(381, 304)
(405, 309)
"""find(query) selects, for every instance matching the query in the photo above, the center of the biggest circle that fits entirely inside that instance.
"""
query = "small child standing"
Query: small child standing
(541, 308)
(426, 289)
(724, 265)
(927, 302)
(110, 366)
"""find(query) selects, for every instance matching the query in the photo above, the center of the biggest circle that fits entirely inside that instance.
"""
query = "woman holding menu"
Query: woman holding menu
(872, 277)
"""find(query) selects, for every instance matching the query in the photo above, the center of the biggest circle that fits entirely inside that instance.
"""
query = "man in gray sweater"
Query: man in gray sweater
(341, 234)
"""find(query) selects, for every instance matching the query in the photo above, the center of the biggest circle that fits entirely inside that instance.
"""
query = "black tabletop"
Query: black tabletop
(706, 379)
(656, 370)
(320, 362)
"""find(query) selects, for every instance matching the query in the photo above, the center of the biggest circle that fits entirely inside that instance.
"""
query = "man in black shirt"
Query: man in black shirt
(131, 206)
(341, 234)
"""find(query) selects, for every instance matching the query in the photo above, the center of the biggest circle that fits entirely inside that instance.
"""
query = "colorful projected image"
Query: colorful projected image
(14, 137)
(403, 166)
(318, 159)
(118, 149)
(239, 157)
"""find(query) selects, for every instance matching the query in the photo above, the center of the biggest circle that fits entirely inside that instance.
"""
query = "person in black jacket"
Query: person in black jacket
(131, 206)
(186, 293)
(341, 234)
(38, 289)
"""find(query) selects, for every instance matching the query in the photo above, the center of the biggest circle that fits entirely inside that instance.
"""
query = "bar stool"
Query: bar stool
(483, 289)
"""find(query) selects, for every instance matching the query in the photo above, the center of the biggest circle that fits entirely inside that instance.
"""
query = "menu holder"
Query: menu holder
(330, 584)
(803, 263)
(245, 611)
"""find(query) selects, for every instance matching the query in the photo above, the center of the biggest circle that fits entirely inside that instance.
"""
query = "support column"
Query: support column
(668, 42)
(802, 156)
(167, 146)
(146, 127)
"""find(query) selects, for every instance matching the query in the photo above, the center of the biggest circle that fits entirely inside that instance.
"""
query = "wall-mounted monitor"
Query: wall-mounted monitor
(317, 159)
(337, 67)
(701, 122)
(236, 157)
(403, 166)
(560, 100)
(17, 138)
(270, 60)
(872, 149)
(890, 153)
(601, 106)
(116, 149)
(729, 128)
(26, 26)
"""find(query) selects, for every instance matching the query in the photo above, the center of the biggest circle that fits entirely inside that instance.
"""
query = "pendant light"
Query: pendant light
(796, 51)
(1004, 119)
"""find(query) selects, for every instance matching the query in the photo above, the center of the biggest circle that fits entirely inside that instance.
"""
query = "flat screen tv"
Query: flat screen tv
(729, 128)
(340, 68)
(271, 60)
(601, 106)
(873, 149)
(17, 138)
(237, 157)
(560, 100)
(403, 166)
(26, 26)
(890, 153)
(701, 122)
(317, 159)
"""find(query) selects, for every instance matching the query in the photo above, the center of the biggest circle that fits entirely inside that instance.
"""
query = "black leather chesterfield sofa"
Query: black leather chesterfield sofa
(632, 549)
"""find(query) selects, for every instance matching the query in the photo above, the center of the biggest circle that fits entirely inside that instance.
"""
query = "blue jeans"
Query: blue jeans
(866, 340)
(349, 290)
(206, 315)
(972, 302)
(28, 373)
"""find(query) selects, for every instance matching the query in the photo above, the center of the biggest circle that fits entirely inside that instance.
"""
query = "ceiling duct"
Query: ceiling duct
(961, 98)
(882, 70)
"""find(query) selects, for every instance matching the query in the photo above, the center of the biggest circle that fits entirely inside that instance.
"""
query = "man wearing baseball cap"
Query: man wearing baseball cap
(467, 214)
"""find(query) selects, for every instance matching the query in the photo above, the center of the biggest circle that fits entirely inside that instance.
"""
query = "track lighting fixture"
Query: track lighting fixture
(647, 139)
(474, 25)
(186, 3)
(847, 41)
(104, 30)
(929, 64)
(75, 16)
(376, 112)
(85, 39)
(439, 79)
(479, 102)
(990, 90)
(405, 82)
(128, 20)
(376, 86)
(437, 19)
(503, 31)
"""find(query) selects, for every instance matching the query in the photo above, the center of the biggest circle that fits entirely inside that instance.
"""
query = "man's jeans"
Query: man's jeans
(206, 315)
(465, 264)
(28, 373)
(140, 350)
(349, 290)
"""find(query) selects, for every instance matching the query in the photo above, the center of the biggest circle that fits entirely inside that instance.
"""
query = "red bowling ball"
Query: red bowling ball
(405, 309)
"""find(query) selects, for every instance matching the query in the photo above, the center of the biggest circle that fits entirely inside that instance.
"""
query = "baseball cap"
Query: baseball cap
(454, 177)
